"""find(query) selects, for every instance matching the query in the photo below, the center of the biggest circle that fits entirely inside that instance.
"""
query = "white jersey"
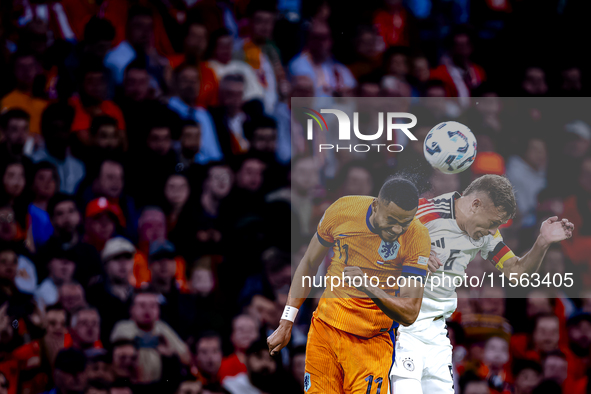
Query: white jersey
(455, 249)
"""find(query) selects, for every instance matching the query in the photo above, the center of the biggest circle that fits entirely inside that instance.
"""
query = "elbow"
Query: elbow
(409, 319)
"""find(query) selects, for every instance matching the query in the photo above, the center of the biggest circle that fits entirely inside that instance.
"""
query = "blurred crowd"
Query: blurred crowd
(149, 170)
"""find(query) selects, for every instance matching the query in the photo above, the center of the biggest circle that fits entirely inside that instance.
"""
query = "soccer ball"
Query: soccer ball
(450, 147)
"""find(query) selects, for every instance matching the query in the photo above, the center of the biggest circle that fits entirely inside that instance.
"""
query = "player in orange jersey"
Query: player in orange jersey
(350, 342)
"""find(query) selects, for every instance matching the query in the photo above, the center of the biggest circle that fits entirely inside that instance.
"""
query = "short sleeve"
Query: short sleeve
(327, 225)
(496, 251)
(417, 255)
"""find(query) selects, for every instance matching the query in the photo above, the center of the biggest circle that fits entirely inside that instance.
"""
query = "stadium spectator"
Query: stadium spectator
(528, 375)
(69, 371)
(115, 286)
(152, 228)
(72, 297)
(527, 172)
(139, 44)
(102, 219)
(195, 46)
(534, 82)
(260, 375)
(98, 367)
(579, 335)
(230, 116)
(66, 220)
(125, 360)
(245, 331)
(259, 51)
(163, 267)
(92, 100)
(394, 24)
(60, 266)
(84, 331)
(109, 183)
(177, 191)
(457, 71)
(106, 141)
(189, 144)
(14, 128)
(13, 177)
(186, 82)
(152, 333)
(55, 128)
(208, 359)
(206, 224)
(43, 185)
(577, 206)
(222, 63)
(330, 77)
(367, 52)
(26, 70)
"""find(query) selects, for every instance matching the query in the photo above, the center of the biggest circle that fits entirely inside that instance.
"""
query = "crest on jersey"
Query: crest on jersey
(307, 382)
(408, 364)
(389, 250)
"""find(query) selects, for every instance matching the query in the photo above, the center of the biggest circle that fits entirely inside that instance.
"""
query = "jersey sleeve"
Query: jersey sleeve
(417, 257)
(496, 251)
(327, 225)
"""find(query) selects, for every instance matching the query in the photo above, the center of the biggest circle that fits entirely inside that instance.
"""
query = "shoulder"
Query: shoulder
(351, 204)
(440, 207)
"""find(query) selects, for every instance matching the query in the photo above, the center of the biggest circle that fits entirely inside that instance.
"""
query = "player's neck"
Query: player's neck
(459, 213)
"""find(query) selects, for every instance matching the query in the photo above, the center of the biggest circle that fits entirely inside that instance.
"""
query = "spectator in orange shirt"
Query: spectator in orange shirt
(195, 46)
(26, 70)
(92, 101)
(152, 227)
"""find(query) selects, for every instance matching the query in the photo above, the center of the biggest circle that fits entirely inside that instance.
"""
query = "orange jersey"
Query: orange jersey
(346, 227)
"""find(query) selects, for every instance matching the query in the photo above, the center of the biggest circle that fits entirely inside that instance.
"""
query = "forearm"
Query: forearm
(530, 262)
(403, 310)
(300, 285)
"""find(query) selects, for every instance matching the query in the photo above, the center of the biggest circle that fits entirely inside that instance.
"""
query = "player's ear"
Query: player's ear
(374, 204)
(476, 203)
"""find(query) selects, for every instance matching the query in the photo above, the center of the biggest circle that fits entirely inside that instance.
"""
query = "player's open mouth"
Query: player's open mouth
(390, 233)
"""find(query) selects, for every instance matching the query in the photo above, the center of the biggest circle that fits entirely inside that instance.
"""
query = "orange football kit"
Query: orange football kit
(350, 342)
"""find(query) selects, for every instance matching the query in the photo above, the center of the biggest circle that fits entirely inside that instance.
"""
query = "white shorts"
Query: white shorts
(429, 363)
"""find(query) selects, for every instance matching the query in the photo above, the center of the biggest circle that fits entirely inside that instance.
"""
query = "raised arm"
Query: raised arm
(298, 292)
(551, 231)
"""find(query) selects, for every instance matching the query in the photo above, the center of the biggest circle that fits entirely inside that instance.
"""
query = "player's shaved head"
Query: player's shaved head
(401, 192)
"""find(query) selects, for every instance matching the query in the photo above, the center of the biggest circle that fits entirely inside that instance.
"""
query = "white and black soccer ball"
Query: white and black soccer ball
(450, 147)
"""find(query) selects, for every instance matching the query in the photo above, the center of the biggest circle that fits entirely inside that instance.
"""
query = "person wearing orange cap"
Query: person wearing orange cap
(102, 219)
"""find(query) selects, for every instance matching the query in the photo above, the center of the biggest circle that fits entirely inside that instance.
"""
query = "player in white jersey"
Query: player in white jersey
(460, 227)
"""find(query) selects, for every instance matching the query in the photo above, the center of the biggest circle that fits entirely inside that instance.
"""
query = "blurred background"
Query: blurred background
(152, 180)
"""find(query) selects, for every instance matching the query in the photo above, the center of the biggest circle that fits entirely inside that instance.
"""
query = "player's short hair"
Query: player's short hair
(499, 190)
(401, 192)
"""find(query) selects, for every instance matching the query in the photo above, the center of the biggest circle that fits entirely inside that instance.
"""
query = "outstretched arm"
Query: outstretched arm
(551, 231)
(298, 292)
